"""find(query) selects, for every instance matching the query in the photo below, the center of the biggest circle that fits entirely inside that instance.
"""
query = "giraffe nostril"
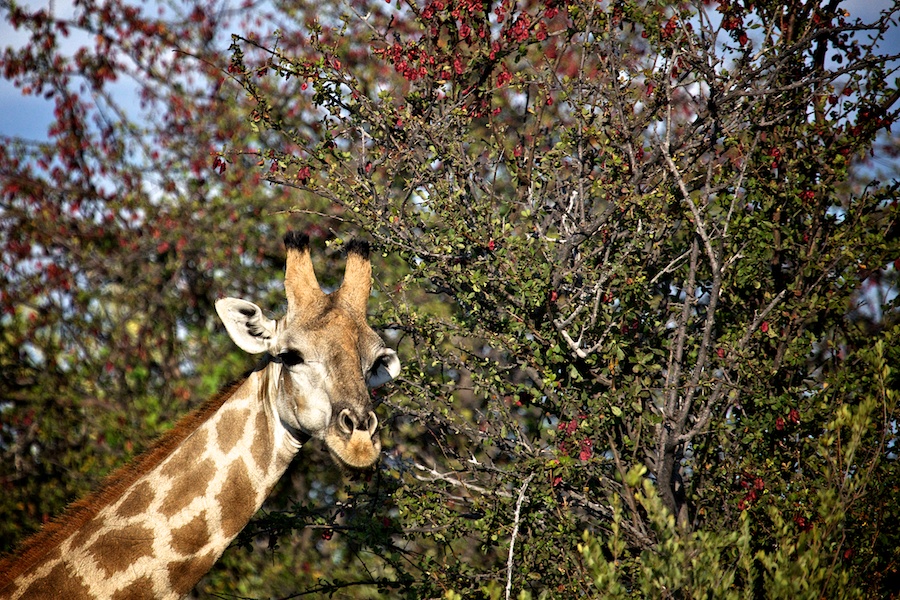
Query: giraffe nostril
(345, 421)
(373, 423)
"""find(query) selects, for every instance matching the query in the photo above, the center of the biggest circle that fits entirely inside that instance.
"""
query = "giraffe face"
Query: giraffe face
(327, 366)
(322, 356)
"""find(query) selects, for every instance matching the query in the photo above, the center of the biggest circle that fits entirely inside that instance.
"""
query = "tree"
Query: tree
(635, 259)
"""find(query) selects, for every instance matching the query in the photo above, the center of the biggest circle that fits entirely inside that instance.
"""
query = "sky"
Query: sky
(28, 117)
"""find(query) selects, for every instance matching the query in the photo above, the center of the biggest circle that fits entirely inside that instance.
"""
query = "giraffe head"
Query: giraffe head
(322, 355)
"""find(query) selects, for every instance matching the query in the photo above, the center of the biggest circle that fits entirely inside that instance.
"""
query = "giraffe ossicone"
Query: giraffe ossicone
(156, 526)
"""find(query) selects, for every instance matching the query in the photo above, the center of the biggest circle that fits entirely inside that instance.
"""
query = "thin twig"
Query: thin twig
(515, 532)
(455, 481)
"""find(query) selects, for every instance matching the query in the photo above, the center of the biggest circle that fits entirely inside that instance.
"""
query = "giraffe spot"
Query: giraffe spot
(139, 589)
(117, 550)
(187, 485)
(237, 499)
(87, 532)
(184, 574)
(136, 501)
(187, 454)
(188, 538)
(60, 582)
(230, 428)
(262, 442)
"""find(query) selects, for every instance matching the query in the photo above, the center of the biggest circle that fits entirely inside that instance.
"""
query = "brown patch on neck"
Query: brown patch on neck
(140, 589)
(60, 582)
(34, 549)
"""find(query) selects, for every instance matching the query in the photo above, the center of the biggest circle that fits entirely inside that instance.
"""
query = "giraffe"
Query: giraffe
(156, 526)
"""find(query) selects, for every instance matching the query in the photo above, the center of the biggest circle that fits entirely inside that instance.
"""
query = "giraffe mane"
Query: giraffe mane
(111, 488)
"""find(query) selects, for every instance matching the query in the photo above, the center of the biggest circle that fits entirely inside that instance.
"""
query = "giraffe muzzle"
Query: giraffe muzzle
(353, 440)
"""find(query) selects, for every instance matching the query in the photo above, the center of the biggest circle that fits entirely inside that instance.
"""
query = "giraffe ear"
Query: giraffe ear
(386, 367)
(245, 323)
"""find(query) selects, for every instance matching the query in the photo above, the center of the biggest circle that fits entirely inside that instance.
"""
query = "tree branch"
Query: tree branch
(515, 532)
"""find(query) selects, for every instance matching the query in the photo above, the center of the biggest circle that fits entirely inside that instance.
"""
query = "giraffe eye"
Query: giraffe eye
(291, 358)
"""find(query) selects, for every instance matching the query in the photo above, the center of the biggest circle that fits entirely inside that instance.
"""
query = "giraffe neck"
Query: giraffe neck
(158, 526)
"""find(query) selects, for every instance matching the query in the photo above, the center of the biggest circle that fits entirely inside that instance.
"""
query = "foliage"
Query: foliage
(639, 259)
(798, 559)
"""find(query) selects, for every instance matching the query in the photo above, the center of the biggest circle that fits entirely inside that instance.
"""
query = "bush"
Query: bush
(638, 258)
